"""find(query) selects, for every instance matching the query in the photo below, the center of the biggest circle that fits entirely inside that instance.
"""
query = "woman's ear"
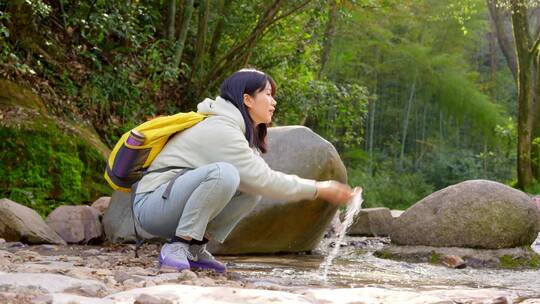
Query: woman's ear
(248, 101)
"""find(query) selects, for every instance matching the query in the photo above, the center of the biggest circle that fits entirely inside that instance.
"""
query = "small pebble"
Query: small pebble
(453, 261)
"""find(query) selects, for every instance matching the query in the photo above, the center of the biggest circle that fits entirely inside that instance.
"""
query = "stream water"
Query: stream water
(353, 208)
(356, 266)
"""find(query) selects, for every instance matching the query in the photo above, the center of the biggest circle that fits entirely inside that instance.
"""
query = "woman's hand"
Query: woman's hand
(335, 192)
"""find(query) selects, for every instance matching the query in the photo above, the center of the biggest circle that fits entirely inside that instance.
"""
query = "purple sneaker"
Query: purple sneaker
(204, 259)
(175, 256)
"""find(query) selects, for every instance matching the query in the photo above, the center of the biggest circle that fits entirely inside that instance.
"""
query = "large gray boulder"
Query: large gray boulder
(20, 223)
(475, 214)
(76, 224)
(118, 220)
(283, 226)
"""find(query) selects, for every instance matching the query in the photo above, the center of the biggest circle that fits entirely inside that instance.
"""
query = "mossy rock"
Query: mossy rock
(46, 161)
(13, 95)
(507, 258)
(471, 214)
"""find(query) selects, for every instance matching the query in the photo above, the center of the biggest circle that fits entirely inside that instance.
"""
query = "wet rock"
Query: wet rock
(148, 299)
(76, 224)
(371, 222)
(101, 204)
(281, 226)
(516, 258)
(475, 214)
(20, 223)
(453, 261)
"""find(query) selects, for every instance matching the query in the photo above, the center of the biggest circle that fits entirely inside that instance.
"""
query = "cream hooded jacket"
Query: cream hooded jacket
(220, 138)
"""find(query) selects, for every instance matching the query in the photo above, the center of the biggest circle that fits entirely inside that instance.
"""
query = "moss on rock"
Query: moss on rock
(530, 260)
(12, 94)
(46, 161)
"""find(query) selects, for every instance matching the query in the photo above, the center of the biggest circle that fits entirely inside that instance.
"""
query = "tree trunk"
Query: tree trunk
(505, 41)
(406, 121)
(218, 30)
(525, 96)
(171, 18)
(202, 28)
(186, 19)
(373, 111)
(441, 125)
(423, 137)
(535, 153)
(329, 34)
(237, 54)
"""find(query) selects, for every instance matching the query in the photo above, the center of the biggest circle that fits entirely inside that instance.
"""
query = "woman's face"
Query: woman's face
(261, 107)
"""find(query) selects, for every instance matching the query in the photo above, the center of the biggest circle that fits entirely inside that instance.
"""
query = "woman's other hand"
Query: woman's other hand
(335, 192)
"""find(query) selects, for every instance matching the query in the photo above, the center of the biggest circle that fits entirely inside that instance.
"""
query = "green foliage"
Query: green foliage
(39, 8)
(43, 168)
(387, 187)
(336, 112)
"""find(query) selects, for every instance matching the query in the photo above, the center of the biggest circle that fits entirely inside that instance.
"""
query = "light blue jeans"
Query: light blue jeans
(202, 201)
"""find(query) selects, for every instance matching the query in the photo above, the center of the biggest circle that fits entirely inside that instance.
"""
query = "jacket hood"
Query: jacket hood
(221, 107)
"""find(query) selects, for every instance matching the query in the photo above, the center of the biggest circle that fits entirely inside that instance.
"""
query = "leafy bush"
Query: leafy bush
(334, 111)
(388, 188)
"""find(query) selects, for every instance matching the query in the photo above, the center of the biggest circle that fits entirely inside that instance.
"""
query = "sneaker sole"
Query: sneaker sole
(161, 266)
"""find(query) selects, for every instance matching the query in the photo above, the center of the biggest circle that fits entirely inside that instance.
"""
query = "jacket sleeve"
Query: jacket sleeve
(255, 175)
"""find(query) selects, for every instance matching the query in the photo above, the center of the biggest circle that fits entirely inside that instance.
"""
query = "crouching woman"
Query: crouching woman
(225, 176)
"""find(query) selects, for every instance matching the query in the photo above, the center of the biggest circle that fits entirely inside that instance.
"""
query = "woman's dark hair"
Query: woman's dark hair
(248, 81)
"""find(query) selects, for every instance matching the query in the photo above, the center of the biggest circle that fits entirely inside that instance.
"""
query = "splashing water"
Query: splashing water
(353, 208)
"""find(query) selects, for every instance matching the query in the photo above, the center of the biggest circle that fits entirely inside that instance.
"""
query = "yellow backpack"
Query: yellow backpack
(136, 149)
